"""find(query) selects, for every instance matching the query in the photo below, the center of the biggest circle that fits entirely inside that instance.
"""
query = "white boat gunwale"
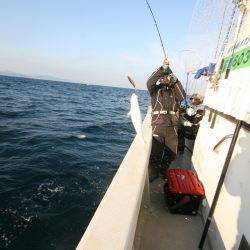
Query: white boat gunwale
(114, 223)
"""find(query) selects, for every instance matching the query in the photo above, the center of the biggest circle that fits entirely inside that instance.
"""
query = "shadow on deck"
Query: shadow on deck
(160, 229)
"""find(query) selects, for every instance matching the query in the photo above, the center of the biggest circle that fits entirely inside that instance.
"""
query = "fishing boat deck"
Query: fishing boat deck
(163, 230)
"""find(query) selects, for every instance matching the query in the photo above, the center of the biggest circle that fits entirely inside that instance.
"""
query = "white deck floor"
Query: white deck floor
(162, 230)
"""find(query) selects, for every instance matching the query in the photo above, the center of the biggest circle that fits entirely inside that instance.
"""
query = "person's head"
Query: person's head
(196, 99)
(164, 80)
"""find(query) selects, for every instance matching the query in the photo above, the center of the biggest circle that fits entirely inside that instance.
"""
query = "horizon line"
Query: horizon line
(68, 81)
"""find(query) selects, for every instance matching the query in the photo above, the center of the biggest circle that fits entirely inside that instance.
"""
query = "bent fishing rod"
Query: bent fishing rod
(157, 28)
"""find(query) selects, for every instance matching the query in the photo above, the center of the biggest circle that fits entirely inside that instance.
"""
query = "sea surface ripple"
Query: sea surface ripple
(60, 146)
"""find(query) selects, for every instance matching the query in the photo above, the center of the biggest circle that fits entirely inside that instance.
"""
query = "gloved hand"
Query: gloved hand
(165, 67)
(172, 78)
(165, 64)
(187, 124)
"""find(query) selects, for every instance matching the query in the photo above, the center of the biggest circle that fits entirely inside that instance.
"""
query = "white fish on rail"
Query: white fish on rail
(135, 115)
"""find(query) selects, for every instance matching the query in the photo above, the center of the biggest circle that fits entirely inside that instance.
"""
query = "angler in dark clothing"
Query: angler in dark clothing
(190, 120)
(165, 98)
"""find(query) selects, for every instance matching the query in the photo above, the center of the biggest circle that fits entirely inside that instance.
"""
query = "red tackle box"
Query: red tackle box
(183, 192)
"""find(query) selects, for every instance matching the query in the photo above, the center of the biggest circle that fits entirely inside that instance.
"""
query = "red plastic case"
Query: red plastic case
(183, 191)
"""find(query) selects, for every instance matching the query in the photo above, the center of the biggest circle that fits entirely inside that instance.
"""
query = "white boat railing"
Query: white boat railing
(114, 223)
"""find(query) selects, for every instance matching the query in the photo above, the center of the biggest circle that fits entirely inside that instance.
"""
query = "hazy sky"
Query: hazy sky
(90, 41)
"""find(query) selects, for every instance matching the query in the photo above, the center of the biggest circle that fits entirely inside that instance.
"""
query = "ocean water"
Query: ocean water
(60, 146)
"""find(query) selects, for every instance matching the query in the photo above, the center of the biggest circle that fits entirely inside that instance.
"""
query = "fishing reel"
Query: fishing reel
(172, 78)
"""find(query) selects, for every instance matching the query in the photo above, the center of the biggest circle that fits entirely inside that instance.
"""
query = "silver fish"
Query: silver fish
(135, 115)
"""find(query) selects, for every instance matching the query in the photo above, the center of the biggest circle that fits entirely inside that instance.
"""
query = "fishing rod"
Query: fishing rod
(157, 28)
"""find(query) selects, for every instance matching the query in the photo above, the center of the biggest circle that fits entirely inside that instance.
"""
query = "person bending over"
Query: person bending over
(190, 121)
